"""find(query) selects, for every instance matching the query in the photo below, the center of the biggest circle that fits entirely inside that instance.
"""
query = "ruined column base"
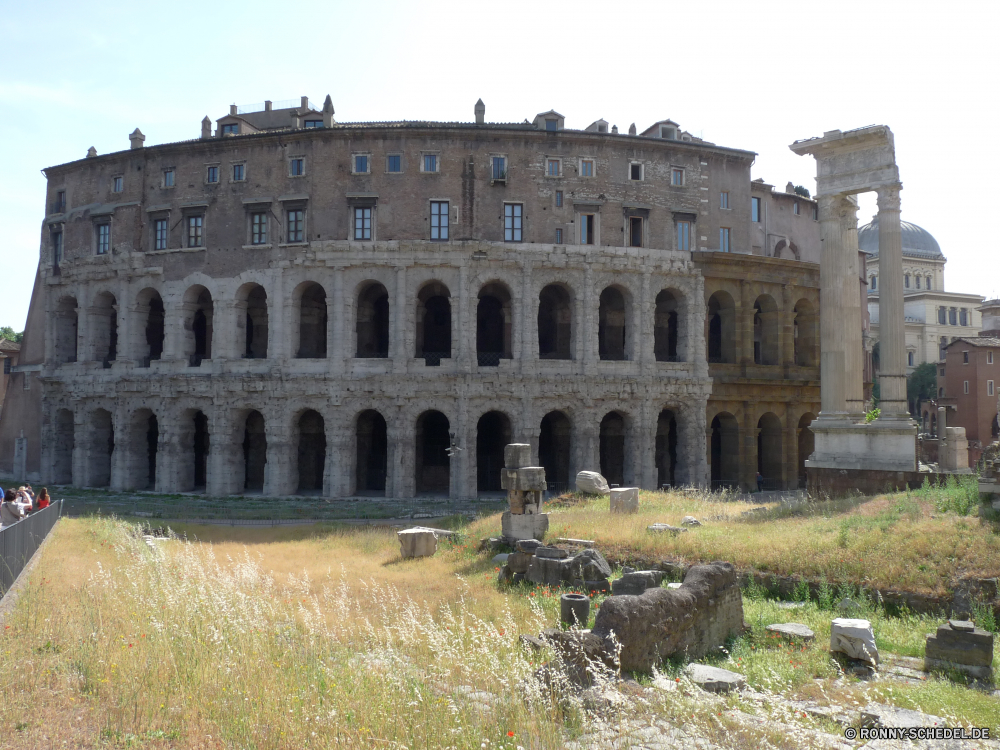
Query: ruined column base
(524, 526)
(879, 446)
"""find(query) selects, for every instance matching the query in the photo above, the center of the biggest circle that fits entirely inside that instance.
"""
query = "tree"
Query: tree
(804, 192)
(921, 385)
(6, 332)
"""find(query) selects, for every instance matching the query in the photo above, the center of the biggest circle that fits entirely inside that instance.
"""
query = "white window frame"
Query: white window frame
(593, 167)
(596, 236)
(642, 171)
(506, 166)
(911, 357)
(232, 171)
(965, 386)
(514, 219)
(166, 232)
(188, 226)
(354, 162)
(674, 172)
(989, 358)
(389, 156)
(796, 209)
(259, 238)
(642, 231)
(443, 219)
(437, 162)
(291, 162)
(288, 225)
(989, 388)
(725, 239)
(559, 168)
(371, 223)
(98, 226)
(208, 167)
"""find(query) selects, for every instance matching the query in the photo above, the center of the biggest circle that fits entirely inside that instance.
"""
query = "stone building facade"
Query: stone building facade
(378, 308)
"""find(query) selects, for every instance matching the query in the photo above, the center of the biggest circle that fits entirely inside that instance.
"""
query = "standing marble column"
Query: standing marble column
(892, 336)
(854, 389)
(833, 338)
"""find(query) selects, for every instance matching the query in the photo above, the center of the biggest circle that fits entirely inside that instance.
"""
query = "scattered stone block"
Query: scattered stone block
(665, 528)
(674, 585)
(633, 584)
(714, 679)
(848, 607)
(535, 644)
(960, 645)
(575, 542)
(547, 571)
(854, 638)
(506, 575)
(553, 553)
(602, 586)
(500, 559)
(590, 565)
(508, 479)
(592, 483)
(794, 630)
(690, 521)
(519, 561)
(625, 500)
(880, 715)
(518, 578)
(528, 545)
(531, 479)
(522, 526)
(516, 455)
(417, 542)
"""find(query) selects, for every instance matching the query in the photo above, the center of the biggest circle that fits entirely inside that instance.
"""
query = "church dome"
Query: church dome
(917, 241)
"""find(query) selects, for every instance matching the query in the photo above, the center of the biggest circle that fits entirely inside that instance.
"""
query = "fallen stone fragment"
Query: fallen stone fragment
(417, 542)
(500, 559)
(674, 585)
(576, 542)
(714, 679)
(506, 575)
(854, 638)
(602, 586)
(792, 630)
(880, 715)
(637, 582)
(524, 526)
(552, 553)
(590, 565)
(690, 521)
(528, 545)
(535, 644)
(592, 483)
(665, 528)
(965, 648)
(624, 500)
(519, 561)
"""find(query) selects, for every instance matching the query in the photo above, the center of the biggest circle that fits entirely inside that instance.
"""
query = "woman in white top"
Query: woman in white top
(10, 511)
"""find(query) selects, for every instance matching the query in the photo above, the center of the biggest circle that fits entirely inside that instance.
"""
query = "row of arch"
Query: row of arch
(723, 331)
(724, 450)
(432, 435)
(555, 324)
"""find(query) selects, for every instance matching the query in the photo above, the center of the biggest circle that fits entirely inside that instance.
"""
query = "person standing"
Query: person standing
(760, 482)
(10, 511)
(43, 499)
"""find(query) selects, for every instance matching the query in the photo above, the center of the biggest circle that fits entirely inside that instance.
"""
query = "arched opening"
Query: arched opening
(311, 452)
(101, 448)
(725, 451)
(665, 327)
(611, 329)
(554, 446)
(142, 450)
(769, 450)
(312, 321)
(62, 448)
(198, 325)
(995, 426)
(432, 443)
(765, 331)
(372, 326)
(807, 444)
(201, 446)
(555, 323)
(778, 248)
(434, 323)
(493, 324)
(806, 333)
(254, 452)
(66, 330)
(612, 448)
(251, 316)
(666, 448)
(373, 453)
(149, 306)
(793, 250)
(104, 331)
(721, 334)
(873, 283)
(492, 434)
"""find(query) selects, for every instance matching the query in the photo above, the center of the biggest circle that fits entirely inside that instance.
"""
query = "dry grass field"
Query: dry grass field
(318, 637)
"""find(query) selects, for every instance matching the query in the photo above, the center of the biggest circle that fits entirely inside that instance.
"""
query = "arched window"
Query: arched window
(198, 325)
(612, 448)
(874, 283)
(372, 453)
(311, 452)
(555, 323)
(104, 328)
(765, 331)
(721, 335)
(251, 311)
(312, 321)
(492, 434)
(554, 446)
(373, 322)
(434, 323)
(66, 330)
(254, 452)
(906, 281)
(611, 327)
(665, 328)
(432, 461)
(493, 325)
(149, 335)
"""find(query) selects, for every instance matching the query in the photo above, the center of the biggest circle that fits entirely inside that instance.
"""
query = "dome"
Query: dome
(917, 241)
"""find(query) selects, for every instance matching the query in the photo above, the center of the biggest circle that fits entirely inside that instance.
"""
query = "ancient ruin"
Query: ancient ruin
(525, 485)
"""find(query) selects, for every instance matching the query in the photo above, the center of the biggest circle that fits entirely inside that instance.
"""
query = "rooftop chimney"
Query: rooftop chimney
(327, 112)
(267, 106)
(305, 102)
(137, 138)
(614, 129)
(789, 188)
(631, 129)
(206, 128)
(232, 109)
(480, 112)
(296, 123)
(91, 152)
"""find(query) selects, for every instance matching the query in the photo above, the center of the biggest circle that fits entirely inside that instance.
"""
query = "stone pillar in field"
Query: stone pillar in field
(525, 485)
(832, 301)
(892, 335)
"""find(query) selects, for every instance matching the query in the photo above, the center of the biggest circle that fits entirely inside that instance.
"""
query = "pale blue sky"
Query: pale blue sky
(753, 75)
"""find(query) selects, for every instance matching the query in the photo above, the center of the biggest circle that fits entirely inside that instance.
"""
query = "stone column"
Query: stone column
(400, 354)
(463, 351)
(81, 438)
(397, 436)
(340, 478)
(853, 353)
(337, 347)
(786, 331)
(224, 464)
(125, 444)
(280, 471)
(892, 338)
(588, 322)
(527, 322)
(748, 461)
(744, 326)
(833, 354)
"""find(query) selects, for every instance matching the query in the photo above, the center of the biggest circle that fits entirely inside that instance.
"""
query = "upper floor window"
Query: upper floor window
(552, 124)
(953, 317)
(683, 235)
(724, 199)
(296, 166)
(754, 209)
(552, 168)
(989, 358)
(906, 281)
(430, 162)
(439, 220)
(963, 317)
(117, 184)
(815, 213)
(965, 386)
(929, 283)
(942, 315)
(724, 239)
(160, 234)
(559, 236)
(588, 229)
(499, 168)
(394, 163)
(874, 283)
(258, 228)
(559, 199)
(7, 366)
(212, 175)
(676, 176)
(586, 167)
(965, 358)
(909, 359)
(60, 204)
(103, 238)
(313, 123)
(57, 248)
(195, 229)
(362, 222)
(297, 225)
(917, 280)
(989, 387)
(239, 172)
(513, 227)
(635, 172)
(795, 208)
(231, 129)
(168, 178)
(360, 164)
(635, 231)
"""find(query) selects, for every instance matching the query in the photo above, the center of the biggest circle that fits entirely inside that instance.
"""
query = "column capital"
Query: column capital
(888, 196)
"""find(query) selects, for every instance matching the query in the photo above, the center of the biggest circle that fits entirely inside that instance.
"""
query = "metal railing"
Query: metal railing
(19, 541)
(489, 359)
(433, 359)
